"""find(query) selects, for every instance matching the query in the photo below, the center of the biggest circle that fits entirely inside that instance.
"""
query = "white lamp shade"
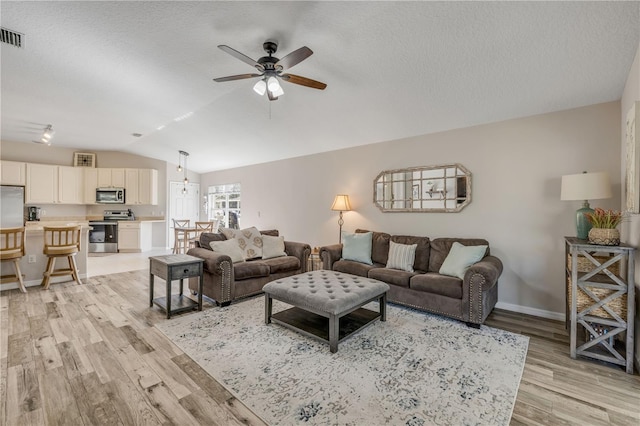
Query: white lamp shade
(278, 92)
(273, 84)
(341, 203)
(260, 87)
(586, 186)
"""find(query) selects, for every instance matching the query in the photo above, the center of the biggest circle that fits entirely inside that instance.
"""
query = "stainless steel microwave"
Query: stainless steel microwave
(110, 195)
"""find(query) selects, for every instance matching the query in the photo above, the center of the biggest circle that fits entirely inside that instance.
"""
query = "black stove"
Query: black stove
(103, 238)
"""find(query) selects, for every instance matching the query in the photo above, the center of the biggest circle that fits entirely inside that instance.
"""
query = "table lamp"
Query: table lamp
(585, 186)
(341, 204)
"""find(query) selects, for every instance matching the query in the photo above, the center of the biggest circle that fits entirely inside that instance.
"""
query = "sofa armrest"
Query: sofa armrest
(300, 250)
(213, 261)
(479, 279)
(489, 268)
(330, 254)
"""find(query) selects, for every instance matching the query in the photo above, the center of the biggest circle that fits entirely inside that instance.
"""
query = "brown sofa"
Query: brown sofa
(225, 281)
(469, 300)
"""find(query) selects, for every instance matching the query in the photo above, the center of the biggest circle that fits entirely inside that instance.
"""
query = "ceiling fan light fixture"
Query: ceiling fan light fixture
(273, 84)
(260, 87)
(278, 92)
(47, 134)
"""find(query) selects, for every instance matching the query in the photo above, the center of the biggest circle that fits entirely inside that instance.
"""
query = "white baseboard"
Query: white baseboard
(559, 316)
(34, 283)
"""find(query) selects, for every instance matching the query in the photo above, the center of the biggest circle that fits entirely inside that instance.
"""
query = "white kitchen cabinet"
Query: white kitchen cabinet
(70, 185)
(90, 184)
(148, 186)
(111, 178)
(13, 173)
(134, 237)
(131, 186)
(141, 186)
(42, 184)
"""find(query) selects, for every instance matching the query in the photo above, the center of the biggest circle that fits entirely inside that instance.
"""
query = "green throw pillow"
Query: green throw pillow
(460, 258)
(357, 247)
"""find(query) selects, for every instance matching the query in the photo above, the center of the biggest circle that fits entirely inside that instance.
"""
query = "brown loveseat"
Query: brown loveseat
(225, 281)
(469, 300)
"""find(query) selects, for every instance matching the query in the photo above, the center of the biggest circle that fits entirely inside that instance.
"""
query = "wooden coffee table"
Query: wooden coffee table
(327, 305)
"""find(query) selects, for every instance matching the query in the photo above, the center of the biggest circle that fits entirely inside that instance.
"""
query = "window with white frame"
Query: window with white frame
(223, 205)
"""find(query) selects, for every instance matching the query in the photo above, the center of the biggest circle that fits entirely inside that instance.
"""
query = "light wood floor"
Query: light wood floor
(89, 355)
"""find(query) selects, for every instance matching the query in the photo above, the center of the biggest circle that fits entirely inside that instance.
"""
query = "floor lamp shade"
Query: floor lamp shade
(341, 204)
(585, 186)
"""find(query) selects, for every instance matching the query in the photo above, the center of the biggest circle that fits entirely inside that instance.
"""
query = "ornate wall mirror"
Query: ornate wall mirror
(442, 188)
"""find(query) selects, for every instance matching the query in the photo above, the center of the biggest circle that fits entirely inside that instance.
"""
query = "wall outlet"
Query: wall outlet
(32, 258)
(43, 212)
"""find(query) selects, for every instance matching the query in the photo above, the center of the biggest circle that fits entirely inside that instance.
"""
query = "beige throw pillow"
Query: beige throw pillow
(228, 247)
(249, 240)
(272, 247)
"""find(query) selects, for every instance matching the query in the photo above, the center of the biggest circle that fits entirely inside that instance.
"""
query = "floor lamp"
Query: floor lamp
(585, 186)
(341, 204)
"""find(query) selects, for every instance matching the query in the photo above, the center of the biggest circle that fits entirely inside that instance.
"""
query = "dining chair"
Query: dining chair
(200, 228)
(61, 241)
(180, 235)
(12, 241)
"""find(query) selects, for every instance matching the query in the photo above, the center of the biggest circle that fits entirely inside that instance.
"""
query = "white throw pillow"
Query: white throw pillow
(460, 258)
(249, 240)
(228, 247)
(401, 256)
(357, 247)
(272, 247)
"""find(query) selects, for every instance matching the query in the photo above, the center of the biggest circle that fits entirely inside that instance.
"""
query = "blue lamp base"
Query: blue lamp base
(583, 226)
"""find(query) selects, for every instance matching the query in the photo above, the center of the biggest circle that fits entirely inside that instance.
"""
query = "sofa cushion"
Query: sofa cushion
(460, 258)
(357, 247)
(379, 246)
(272, 247)
(401, 256)
(355, 268)
(391, 276)
(207, 237)
(435, 283)
(253, 269)
(422, 251)
(249, 240)
(440, 249)
(228, 247)
(282, 264)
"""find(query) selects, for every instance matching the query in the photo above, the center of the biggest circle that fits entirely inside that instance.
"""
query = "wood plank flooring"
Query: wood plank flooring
(89, 355)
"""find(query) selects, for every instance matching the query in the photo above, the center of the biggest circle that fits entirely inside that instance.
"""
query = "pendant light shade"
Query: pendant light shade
(260, 88)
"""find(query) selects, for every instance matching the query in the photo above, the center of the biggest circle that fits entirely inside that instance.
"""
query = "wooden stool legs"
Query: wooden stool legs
(51, 272)
(16, 267)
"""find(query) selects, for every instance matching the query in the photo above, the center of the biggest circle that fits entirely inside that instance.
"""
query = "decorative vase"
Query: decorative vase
(604, 236)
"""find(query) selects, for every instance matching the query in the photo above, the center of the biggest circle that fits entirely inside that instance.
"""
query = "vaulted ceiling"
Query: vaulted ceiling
(101, 71)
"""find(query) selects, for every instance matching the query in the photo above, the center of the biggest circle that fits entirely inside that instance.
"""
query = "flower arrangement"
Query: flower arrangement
(606, 219)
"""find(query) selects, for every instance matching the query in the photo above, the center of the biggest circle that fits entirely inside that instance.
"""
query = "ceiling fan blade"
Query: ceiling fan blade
(244, 58)
(295, 57)
(303, 81)
(236, 77)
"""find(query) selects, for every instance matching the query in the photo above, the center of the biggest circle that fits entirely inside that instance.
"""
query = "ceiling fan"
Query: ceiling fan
(271, 70)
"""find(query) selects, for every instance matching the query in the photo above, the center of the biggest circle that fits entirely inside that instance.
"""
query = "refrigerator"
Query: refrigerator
(11, 206)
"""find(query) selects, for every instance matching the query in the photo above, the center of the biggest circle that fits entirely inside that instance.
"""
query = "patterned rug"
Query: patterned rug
(414, 369)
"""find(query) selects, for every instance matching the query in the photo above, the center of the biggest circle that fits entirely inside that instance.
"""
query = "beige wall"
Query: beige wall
(516, 167)
(33, 153)
(631, 227)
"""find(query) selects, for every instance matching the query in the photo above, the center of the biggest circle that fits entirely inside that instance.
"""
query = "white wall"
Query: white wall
(631, 227)
(516, 167)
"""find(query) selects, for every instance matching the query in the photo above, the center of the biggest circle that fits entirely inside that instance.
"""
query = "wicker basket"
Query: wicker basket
(585, 265)
(617, 305)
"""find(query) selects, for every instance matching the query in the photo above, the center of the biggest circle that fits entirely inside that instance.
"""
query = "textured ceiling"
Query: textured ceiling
(100, 71)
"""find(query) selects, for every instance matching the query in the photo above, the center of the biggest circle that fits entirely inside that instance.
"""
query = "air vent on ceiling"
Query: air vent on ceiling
(11, 37)
(83, 159)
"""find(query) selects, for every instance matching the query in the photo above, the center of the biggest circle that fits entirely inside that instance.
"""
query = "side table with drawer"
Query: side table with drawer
(175, 267)
(600, 299)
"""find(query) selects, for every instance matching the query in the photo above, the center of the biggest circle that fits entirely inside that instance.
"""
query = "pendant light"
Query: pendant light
(183, 160)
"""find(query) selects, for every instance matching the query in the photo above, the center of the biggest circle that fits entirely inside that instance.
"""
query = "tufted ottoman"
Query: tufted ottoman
(327, 305)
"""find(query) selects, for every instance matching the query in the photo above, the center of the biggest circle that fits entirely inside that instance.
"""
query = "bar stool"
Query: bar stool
(61, 241)
(12, 248)
(180, 239)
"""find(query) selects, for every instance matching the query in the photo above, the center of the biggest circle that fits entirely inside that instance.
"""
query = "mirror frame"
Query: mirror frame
(459, 203)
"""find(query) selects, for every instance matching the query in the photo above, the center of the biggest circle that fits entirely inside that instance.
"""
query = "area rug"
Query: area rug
(414, 369)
